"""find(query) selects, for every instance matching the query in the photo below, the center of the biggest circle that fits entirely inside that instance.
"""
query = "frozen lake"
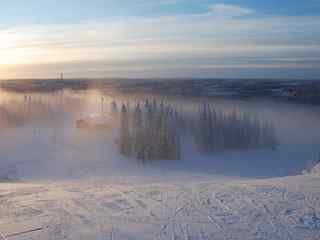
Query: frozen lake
(40, 140)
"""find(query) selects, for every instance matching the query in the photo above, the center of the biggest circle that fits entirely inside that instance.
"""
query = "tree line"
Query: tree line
(150, 130)
(217, 131)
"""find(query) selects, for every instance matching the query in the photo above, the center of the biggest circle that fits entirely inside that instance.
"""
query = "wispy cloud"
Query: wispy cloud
(230, 10)
(225, 38)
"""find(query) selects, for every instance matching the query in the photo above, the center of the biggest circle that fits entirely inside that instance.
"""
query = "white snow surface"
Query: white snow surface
(150, 208)
(316, 169)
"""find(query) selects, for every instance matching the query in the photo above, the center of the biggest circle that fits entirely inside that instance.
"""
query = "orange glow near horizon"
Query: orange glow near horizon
(156, 48)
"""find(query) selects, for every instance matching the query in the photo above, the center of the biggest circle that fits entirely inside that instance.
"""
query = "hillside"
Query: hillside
(280, 208)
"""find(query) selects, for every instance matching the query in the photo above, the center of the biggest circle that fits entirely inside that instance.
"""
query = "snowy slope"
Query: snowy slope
(278, 208)
(316, 169)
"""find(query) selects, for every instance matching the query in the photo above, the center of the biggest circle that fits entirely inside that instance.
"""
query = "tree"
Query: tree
(125, 138)
(138, 135)
(114, 107)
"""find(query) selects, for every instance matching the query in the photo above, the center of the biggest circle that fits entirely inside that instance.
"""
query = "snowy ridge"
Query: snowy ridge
(316, 169)
(278, 208)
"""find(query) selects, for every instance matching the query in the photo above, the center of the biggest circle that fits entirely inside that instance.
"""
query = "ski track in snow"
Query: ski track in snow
(282, 208)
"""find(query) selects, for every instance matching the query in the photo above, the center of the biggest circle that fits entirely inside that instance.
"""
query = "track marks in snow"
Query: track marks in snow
(164, 211)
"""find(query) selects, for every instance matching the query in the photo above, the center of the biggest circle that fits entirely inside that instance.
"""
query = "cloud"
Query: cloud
(230, 10)
(126, 46)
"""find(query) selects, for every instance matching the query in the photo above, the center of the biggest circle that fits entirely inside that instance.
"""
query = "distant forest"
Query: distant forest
(302, 91)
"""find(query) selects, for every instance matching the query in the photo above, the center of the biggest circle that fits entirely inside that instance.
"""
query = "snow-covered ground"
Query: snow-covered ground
(59, 182)
(150, 208)
(74, 187)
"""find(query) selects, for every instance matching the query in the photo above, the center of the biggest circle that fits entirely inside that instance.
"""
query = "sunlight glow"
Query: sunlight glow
(161, 46)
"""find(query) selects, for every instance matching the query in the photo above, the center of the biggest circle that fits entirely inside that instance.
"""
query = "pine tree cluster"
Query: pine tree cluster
(149, 131)
(217, 131)
(153, 131)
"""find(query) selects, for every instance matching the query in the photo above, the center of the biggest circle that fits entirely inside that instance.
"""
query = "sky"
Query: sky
(160, 39)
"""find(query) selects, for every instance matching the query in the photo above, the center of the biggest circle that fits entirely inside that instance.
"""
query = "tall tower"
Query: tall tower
(61, 76)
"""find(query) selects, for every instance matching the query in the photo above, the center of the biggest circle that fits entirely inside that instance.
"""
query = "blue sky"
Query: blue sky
(168, 38)
(53, 11)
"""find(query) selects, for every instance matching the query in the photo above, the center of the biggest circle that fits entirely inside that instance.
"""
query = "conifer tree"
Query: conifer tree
(125, 139)
(139, 140)
(114, 107)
